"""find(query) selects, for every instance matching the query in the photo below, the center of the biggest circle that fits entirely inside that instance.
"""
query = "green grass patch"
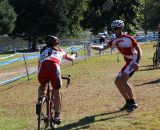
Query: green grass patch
(12, 123)
(92, 100)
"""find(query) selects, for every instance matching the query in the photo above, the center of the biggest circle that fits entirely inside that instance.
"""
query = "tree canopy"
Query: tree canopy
(102, 12)
(7, 17)
(36, 18)
(40, 17)
(152, 14)
(76, 9)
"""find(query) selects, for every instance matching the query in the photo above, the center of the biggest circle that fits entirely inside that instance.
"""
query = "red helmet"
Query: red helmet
(52, 40)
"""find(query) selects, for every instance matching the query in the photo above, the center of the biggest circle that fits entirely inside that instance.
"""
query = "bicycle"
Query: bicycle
(45, 116)
(156, 57)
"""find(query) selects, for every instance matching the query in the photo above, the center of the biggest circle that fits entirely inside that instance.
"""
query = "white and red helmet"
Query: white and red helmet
(117, 24)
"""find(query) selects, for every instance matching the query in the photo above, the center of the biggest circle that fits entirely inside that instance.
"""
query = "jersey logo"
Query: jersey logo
(122, 44)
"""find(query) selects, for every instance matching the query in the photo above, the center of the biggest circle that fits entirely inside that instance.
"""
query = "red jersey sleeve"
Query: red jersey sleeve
(134, 42)
(64, 54)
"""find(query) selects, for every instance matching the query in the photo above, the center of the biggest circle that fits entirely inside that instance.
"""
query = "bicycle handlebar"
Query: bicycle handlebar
(67, 78)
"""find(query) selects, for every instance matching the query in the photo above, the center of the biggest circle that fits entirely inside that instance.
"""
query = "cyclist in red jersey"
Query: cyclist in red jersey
(131, 52)
(49, 69)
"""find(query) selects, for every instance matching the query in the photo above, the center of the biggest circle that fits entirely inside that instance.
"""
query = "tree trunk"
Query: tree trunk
(29, 42)
(145, 31)
(34, 43)
(145, 18)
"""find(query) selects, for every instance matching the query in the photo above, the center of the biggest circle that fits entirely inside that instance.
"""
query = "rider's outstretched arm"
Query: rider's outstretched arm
(70, 57)
(100, 48)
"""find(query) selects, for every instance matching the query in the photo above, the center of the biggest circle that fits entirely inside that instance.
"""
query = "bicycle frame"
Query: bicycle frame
(48, 119)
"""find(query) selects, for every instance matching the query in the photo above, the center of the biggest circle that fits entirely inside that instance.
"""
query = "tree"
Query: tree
(36, 18)
(94, 16)
(76, 9)
(102, 12)
(130, 12)
(7, 17)
(151, 15)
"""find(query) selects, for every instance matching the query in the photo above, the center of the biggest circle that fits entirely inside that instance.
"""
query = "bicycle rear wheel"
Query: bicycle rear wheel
(43, 122)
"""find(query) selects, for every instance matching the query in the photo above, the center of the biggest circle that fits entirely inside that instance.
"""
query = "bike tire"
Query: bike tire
(52, 124)
(42, 116)
(52, 111)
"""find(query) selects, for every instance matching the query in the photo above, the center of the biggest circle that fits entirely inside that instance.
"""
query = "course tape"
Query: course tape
(5, 57)
(18, 59)
(70, 49)
(73, 48)
(28, 53)
(31, 72)
(17, 78)
(10, 61)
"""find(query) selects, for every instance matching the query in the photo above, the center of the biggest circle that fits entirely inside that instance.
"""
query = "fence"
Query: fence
(149, 37)
(19, 65)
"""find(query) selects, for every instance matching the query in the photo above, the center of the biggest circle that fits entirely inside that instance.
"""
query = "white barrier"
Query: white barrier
(25, 58)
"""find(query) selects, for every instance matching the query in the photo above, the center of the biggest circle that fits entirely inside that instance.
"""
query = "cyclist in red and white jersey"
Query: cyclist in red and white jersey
(131, 52)
(49, 69)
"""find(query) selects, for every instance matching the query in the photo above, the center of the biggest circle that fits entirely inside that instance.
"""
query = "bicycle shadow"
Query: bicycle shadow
(84, 122)
(150, 82)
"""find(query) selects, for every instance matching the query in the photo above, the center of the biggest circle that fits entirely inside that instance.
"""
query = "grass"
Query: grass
(92, 100)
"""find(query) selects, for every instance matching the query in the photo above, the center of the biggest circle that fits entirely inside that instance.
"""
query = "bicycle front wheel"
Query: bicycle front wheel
(42, 116)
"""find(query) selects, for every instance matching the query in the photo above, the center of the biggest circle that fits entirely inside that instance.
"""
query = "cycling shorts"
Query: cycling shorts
(50, 71)
(127, 68)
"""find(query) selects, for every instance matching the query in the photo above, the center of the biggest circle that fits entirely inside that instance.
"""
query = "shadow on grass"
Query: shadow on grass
(150, 82)
(84, 122)
(146, 68)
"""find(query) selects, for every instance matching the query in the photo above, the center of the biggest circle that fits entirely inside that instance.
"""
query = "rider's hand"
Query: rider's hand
(74, 53)
(91, 46)
(96, 47)
(135, 66)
